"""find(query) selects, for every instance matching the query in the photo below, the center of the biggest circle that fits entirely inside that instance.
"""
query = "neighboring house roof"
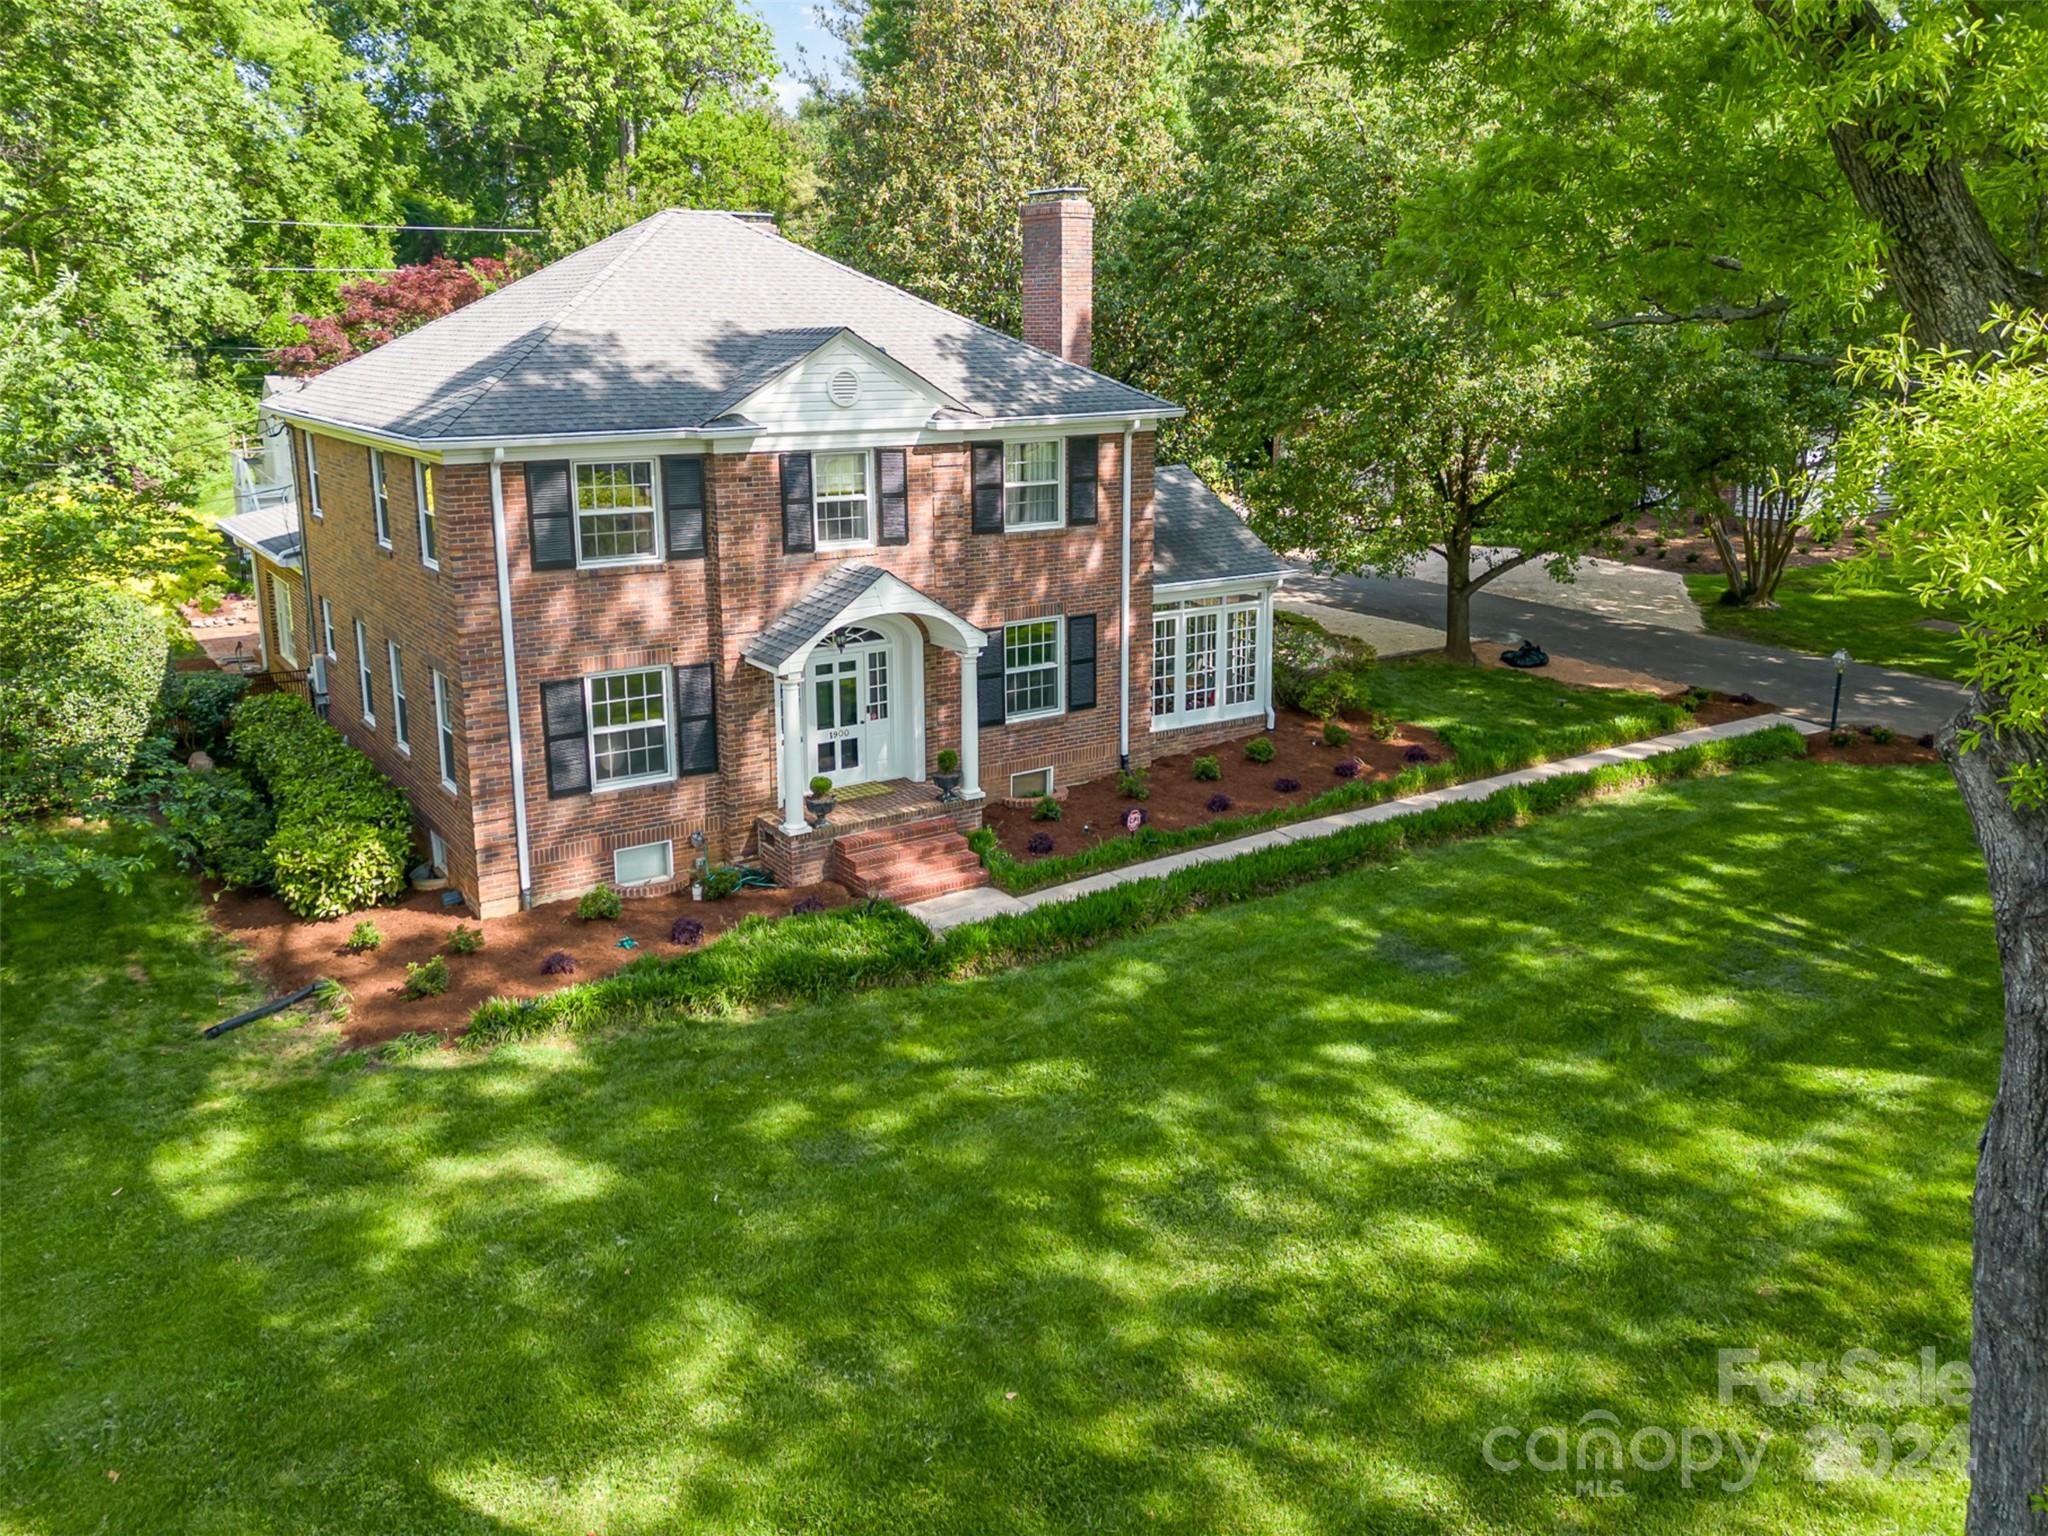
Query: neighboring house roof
(851, 591)
(1198, 536)
(667, 326)
(272, 532)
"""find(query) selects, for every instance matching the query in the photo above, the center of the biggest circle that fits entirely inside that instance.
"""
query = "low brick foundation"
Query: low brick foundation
(806, 858)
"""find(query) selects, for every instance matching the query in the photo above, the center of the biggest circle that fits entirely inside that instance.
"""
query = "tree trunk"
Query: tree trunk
(1458, 593)
(2009, 1330)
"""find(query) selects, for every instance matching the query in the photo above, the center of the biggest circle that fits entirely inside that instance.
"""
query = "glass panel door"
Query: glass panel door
(1200, 669)
(849, 713)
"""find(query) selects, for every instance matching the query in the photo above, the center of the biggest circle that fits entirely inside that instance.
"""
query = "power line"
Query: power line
(444, 229)
(316, 269)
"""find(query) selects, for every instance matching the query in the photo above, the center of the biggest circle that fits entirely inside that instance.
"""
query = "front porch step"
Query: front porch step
(913, 862)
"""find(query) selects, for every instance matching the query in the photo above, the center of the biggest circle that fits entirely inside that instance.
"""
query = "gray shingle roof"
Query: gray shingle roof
(1196, 536)
(666, 326)
(272, 530)
(801, 622)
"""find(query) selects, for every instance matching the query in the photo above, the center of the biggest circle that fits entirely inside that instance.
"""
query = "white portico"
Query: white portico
(848, 664)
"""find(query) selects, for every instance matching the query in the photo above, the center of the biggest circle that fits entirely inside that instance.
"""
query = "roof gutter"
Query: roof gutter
(518, 745)
(1123, 627)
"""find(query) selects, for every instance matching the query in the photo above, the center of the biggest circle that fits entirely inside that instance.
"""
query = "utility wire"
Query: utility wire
(445, 229)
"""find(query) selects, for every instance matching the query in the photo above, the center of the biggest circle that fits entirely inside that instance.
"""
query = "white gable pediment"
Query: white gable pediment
(845, 386)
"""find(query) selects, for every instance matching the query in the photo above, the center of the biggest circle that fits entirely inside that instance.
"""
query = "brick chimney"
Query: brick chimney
(1058, 226)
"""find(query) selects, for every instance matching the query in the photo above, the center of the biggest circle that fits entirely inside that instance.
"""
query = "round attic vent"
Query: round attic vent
(844, 388)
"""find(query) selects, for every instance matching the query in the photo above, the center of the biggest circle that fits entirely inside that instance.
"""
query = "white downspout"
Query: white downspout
(511, 677)
(1123, 627)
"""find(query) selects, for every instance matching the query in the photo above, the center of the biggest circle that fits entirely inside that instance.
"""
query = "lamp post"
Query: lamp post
(1841, 661)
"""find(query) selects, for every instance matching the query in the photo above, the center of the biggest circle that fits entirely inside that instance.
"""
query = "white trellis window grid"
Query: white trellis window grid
(629, 727)
(1031, 484)
(1205, 659)
(615, 521)
(842, 499)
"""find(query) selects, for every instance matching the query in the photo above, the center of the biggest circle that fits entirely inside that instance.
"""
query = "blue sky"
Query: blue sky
(794, 25)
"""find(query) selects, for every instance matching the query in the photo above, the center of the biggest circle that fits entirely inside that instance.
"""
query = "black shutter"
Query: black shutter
(1083, 456)
(892, 480)
(550, 519)
(798, 537)
(988, 678)
(565, 730)
(696, 722)
(988, 487)
(1081, 661)
(682, 484)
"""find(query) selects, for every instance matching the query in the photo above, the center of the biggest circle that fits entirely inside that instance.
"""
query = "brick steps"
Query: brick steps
(912, 862)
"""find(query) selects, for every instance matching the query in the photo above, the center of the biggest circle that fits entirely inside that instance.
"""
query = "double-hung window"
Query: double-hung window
(1205, 659)
(1031, 669)
(398, 720)
(444, 732)
(423, 498)
(630, 737)
(380, 498)
(842, 499)
(1031, 484)
(615, 519)
(312, 475)
(281, 616)
(364, 690)
(327, 628)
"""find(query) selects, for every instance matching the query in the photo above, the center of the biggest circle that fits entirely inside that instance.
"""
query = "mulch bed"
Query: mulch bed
(1690, 539)
(290, 953)
(1720, 708)
(1861, 749)
(1094, 811)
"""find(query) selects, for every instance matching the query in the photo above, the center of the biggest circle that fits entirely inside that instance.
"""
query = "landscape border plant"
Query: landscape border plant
(765, 963)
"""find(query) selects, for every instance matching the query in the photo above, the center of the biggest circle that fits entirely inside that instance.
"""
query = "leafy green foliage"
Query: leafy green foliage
(465, 940)
(425, 978)
(220, 825)
(1046, 808)
(363, 938)
(79, 674)
(343, 829)
(199, 706)
(1207, 769)
(601, 904)
(1134, 784)
(1259, 749)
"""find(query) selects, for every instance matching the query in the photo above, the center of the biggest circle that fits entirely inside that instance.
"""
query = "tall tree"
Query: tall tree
(959, 108)
(1746, 164)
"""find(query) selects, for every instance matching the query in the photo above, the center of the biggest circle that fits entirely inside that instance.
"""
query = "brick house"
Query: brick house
(605, 567)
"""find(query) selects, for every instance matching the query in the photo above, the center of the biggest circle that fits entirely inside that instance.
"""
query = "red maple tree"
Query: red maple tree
(375, 310)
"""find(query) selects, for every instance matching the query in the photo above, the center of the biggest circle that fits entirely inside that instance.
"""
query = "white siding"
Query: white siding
(800, 400)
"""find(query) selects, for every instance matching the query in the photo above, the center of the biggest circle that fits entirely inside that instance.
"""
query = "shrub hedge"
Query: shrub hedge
(79, 673)
(765, 963)
(343, 830)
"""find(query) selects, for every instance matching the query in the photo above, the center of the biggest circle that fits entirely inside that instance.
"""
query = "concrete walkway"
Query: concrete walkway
(1800, 685)
(944, 912)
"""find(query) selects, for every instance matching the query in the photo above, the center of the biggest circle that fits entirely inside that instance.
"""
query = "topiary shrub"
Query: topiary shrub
(560, 963)
(1259, 750)
(1335, 733)
(1218, 804)
(1040, 842)
(806, 905)
(600, 905)
(1207, 769)
(344, 831)
(1134, 784)
(465, 940)
(363, 938)
(1046, 809)
(429, 978)
(1286, 786)
(198, 706)
(80, 671)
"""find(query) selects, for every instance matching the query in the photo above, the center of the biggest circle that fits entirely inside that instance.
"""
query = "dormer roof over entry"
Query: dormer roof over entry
(675, 325)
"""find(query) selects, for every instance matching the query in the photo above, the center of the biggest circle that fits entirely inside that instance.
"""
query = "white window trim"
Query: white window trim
(281, 619)
(380, 498)
(364, 696)
(444, 733)
(327, 628)
(437, 852)
(1059, 484)
(1221, 603)
(398, 699)
(1058, 664)
(867, 463)
(669, 862)
(1051, 781)
(668, 727)
(312, 476)
(419, 499)
(614, 561)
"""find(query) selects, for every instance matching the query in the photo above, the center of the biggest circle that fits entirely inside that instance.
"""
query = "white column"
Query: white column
(794, 780)
(1266, 656)
(970, 726)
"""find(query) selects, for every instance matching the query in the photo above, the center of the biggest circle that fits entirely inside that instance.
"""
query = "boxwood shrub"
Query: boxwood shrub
(343, 829)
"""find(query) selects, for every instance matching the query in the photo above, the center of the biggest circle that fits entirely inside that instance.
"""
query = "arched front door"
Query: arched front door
(853, 706)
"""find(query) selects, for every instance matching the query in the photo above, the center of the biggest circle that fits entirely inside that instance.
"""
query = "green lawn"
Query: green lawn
(1497, 720)
(1258, 1222)
(1876, 620)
